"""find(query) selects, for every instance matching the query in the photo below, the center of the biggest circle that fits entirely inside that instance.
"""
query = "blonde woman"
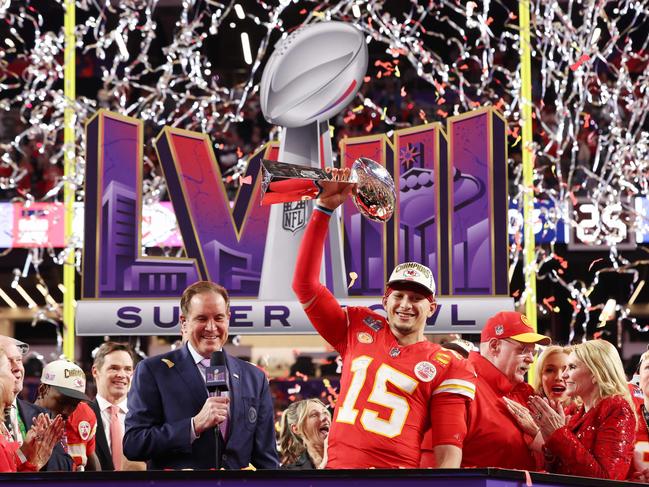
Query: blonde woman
(303, 435)
(40, 439)
(548, 380)
(598, 439)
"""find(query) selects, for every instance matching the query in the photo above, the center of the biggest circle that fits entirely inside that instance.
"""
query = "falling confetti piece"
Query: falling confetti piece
(246, 180)
(593, 263)
(353, 276)
(295, 390)
(596, 33)
(547, 302)
(608, 313)
(579, 62)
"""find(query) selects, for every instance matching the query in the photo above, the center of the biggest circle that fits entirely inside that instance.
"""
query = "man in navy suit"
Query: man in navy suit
(172, 423)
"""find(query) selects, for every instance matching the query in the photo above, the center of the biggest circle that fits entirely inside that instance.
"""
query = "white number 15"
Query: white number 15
(397, 404)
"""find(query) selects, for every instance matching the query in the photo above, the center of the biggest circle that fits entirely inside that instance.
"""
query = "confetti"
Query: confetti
(352, 276)
(579, 62)
(590, 267)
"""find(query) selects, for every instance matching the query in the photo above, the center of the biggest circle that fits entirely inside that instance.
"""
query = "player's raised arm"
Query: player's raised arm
(320, 305)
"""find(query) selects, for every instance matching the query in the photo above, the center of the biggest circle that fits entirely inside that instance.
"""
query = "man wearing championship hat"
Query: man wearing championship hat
(62, 390)
(494, 437)
(394, 382)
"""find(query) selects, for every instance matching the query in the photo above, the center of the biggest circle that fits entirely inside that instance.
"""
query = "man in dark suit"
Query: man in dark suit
(112, 370)
(23, 413)
(173, 423)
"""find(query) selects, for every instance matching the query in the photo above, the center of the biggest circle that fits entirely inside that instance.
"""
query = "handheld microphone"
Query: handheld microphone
(216, 374)
(216, 382)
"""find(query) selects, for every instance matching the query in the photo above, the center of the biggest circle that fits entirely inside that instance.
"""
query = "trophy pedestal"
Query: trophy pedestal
(308, 146)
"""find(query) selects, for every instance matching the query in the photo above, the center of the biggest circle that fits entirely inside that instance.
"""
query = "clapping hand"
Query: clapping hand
(548, 415)
(641, 476)
(522, 415)
(41, 438)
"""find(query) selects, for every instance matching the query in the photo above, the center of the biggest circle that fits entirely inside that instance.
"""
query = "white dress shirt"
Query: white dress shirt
(13, 416)
(104, 407)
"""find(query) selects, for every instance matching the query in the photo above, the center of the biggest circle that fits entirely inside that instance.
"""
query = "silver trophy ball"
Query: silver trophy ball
(375, 196)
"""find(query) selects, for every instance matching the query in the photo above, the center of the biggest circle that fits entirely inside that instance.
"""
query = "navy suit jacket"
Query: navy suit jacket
(168, 390)
(59, 461)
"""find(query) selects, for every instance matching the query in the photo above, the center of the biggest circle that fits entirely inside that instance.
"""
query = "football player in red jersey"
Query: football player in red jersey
(80, 432)
(394, 382)
(61, 390)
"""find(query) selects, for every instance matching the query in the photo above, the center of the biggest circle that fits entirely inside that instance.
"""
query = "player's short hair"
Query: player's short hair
(199, 288)
(107, 348)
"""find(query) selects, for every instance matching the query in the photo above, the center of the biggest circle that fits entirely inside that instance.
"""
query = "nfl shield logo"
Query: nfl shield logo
(294, 216)
(500, 329)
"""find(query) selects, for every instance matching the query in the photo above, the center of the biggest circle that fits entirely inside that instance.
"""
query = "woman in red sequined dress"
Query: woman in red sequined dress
(598, 440)
(640, 467)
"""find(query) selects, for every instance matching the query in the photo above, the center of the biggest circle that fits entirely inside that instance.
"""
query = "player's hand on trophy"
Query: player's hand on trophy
(337, 190)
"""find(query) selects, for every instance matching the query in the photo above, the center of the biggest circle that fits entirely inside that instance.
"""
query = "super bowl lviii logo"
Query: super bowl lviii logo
(451, 216)
(450, 209)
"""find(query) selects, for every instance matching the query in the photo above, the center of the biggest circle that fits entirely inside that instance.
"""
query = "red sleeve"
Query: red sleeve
(306, 280)
(7, 455)
(612, 453)
(90, 446)
(449, 419)
(325, 313)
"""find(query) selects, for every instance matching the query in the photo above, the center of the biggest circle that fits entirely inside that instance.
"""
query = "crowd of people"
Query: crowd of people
(403, 401)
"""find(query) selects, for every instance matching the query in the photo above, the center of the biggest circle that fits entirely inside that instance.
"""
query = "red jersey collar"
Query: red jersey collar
(489, 373)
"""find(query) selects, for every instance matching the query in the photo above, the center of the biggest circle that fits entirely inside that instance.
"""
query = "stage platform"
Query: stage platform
(491, 477)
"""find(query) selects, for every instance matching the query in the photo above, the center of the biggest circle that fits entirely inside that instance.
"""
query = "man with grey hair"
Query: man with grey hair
(22, 413)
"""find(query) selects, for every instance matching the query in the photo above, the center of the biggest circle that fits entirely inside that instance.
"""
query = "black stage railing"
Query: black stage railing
(489, 477)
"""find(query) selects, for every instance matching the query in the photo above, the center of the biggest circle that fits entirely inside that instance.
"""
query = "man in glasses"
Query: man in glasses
(507, 350)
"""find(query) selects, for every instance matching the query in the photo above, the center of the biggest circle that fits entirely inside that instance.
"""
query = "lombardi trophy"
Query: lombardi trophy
(311, 76)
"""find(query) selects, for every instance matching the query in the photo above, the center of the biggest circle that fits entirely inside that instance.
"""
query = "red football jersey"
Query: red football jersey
(80, 429)
(386, 393)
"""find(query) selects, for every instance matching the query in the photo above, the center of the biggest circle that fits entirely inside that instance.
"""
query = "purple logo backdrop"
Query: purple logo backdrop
(452, 217)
